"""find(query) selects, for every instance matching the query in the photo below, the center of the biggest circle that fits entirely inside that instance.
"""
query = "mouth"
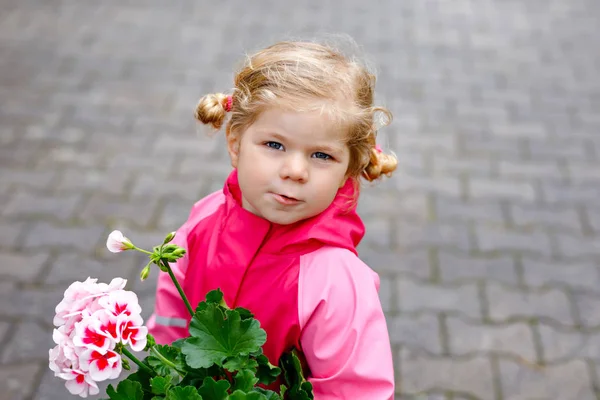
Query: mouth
(285, 200)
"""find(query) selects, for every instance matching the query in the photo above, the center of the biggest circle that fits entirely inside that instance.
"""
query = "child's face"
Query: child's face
(290, 164)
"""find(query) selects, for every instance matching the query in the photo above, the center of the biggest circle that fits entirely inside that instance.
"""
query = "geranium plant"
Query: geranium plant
(99, 327)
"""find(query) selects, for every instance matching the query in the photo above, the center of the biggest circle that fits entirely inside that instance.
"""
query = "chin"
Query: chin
(283, 220)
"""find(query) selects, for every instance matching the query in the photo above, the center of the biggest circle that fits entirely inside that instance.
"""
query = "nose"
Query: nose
(295, 168)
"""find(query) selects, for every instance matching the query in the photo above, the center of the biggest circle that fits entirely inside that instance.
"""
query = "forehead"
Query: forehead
(312, 127)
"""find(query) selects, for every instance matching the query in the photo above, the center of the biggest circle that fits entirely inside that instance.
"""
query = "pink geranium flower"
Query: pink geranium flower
(94, 332)
(121, 302)
(80, 383)
(101, 366)
(92, 319)
(132, 332)
(117, 243)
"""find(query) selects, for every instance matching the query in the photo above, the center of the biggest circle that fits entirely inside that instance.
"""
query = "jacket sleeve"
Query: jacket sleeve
(344, 332)
(170, 319)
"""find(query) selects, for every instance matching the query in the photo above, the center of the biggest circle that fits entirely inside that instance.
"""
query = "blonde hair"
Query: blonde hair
(301, 74)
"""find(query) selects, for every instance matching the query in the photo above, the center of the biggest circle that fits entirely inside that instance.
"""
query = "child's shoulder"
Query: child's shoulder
(336, 264)
(203, 208)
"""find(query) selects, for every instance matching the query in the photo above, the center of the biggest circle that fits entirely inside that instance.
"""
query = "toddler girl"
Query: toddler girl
(280, 238)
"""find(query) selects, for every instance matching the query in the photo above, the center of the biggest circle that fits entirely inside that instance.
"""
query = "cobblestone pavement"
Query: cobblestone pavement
(487, 239)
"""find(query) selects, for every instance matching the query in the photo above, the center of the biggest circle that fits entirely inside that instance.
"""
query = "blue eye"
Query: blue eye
(274, 145)
(322, 156)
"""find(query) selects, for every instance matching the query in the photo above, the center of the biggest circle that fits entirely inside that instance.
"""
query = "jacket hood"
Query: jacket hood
(339, 225)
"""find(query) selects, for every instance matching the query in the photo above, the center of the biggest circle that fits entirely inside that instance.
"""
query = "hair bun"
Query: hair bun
(211, 109)
(379, 164)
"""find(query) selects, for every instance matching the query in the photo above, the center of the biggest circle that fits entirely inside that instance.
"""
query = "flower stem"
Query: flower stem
(142, 250)
(165, 360)
(138, 362)
(179, 289)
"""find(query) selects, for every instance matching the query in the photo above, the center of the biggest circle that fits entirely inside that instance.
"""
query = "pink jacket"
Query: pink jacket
(304, 282)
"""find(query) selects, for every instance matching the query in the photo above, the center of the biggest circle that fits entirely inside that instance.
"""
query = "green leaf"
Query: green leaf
(183, 393)
(297, 387)
(244, 313)
(244, 380)
(292, 369)
(267, 373)
(142, 377)
(239, 395)
(171, 354)
(160, 384)
(215, 297)
(214, 390)
(269, 394)
(217, 336)
(126, 390)
(195, 377)
(242, 362)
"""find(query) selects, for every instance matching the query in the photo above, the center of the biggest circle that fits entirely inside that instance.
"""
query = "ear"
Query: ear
(233, 148)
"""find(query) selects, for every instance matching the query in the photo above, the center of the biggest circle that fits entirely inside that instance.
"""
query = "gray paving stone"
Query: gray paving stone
(23, 266)
(416, 262)
(448, 209)
(113, 182)
(538, 273)
(40, 180)
(439, 142)
(140, 210)
(519, 170)
(499, 239)
(556, 218)
(473, 376)
(419, 296)
(67, 268)
(578, 246)
(387, 201)
(173, 214)
(17, 380)
(562, 344)
(445, 235)
(588, 307)
(456, 268)
(564, 381)
(584, 173)
(543, 149)
(4, 328)
(29, 342)
(30, 303)
(11, 233)
(484, 144)
(481, 166)
(509, 303)
(47, 235)
(446, 185)
(28, 205)
(485, 189)
(594, 219)
(380, 232)
(147, 187)
(387, 285)
(421, 332)
(467, 339)
(554, 192)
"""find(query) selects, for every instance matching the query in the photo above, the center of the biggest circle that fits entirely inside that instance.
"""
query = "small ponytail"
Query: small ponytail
(212, 108)
(379, 164)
